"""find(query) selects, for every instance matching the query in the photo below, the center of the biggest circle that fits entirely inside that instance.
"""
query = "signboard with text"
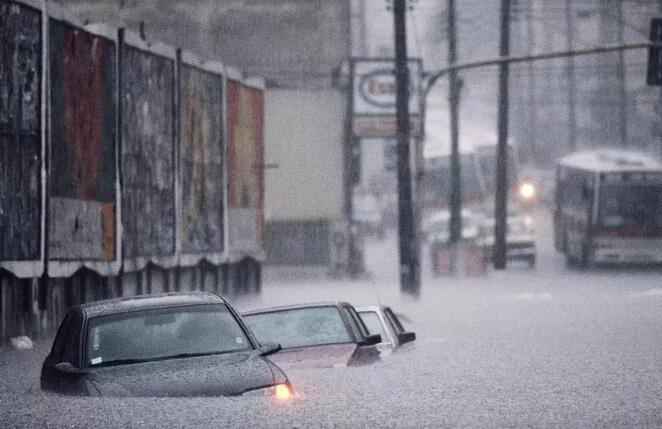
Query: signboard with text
(374, 97)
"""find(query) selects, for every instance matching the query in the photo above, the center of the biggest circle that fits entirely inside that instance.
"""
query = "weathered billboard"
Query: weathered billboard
(21, 138)
(82, 210)
(245, 118)
(148, 153)
(200, 161)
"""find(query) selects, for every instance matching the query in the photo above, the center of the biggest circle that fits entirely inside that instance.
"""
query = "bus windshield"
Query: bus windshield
(631, 208)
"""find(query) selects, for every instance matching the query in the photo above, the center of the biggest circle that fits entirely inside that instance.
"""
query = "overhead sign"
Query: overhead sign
(654, 75)
(374, 93)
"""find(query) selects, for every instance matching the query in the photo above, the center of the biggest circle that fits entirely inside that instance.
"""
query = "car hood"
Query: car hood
(213, 375)
(327, 356)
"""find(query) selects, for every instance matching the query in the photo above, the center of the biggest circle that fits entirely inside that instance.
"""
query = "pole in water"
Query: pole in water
(501, 203)
(455, 194)
(409, 279)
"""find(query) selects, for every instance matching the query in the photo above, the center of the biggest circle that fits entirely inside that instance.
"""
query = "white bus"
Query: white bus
(608, 208)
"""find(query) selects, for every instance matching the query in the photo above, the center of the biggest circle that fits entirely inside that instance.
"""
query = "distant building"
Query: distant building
(291, 43)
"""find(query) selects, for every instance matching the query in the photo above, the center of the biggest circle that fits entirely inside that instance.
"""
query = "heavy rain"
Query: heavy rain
(331, 213)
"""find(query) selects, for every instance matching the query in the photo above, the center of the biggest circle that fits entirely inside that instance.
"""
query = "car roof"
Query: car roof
(294, 307)
(149, 302)
(376, 308)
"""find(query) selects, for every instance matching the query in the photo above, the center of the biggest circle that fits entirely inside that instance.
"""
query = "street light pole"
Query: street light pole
(572, 86)
(455, 197)
(501, 204)
(409, 278)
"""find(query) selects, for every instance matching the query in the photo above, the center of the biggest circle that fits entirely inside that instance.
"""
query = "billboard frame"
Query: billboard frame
(256, 83)
(133, 40)
(36, 267)
(66, 268)
(190, 59)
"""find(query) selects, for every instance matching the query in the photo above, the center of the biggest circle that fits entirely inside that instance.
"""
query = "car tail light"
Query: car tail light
(281, 391)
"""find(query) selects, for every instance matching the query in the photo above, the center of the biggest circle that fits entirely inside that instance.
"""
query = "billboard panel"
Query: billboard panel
(82, 178)
(245, 166)
(148, 156)
(201, 162)
(374, 97)
(21, 138)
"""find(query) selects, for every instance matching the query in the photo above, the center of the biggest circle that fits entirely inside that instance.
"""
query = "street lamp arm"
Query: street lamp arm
(432, 79)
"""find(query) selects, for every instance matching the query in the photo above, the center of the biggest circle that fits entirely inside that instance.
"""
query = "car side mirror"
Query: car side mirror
(69, 369)
(406, 337)
(371, 340)
(269, 348)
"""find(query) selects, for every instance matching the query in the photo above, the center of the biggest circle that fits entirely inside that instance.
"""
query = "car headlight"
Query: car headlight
(527, 191)
(281, 391)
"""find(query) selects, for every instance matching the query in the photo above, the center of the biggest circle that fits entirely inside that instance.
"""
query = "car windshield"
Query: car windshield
(300, 327)
(163, 333)
(374, 324)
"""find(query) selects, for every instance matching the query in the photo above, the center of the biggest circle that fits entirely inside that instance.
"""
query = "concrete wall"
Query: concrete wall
(304, 136)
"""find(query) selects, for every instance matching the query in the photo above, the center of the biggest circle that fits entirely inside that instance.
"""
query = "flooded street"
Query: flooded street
(545, 347)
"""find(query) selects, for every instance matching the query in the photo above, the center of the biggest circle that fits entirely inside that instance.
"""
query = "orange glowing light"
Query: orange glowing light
(283, 392)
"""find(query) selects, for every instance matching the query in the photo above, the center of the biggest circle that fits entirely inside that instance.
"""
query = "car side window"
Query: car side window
(58, 343)
(363, 331)
(393, 320)
(356, 333)
(71, 344)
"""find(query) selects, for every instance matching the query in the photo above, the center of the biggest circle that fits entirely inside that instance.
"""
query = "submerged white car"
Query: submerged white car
(382, 320)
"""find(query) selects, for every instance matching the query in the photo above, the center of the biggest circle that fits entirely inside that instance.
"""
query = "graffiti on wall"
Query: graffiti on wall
(148, 156)
(20, 132)
(201, 161)
(245, 161)
(82, 197)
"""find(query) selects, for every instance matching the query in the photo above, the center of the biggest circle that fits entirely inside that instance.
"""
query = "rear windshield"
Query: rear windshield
(163, 333)
(300, 327)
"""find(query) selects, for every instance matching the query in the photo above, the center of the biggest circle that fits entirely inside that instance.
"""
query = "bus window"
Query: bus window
(633, 207)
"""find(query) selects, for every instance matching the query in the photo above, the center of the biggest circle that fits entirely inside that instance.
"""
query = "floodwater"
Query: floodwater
(544, 347)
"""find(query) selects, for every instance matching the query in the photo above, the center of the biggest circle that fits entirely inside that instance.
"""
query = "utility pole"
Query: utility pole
(531, 84)
(455, 195)
(659, 9)
(622, 90)
(501, 205)
(570, 74)
(409, 267)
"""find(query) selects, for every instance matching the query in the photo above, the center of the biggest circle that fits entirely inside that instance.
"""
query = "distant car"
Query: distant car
(436, 227)
(520, 238)
(317, 335)
(438, 235)
(383, 321)
(192, 344)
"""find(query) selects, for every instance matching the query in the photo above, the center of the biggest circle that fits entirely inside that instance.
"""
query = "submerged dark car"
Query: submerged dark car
(316, 335)
(192, 344)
